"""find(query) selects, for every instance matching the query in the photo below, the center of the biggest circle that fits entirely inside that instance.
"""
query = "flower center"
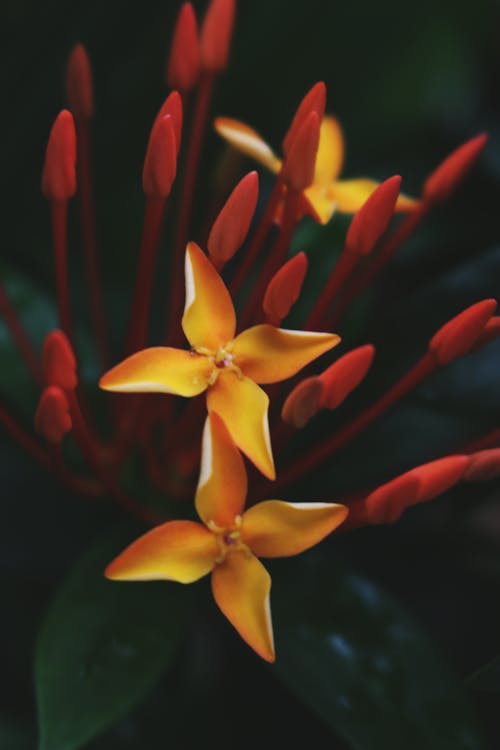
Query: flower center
(222, 359)
(228, 539)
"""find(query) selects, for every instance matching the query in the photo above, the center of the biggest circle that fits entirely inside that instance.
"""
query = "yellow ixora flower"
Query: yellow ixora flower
(327, 193)
(229, 541)
(228, 367)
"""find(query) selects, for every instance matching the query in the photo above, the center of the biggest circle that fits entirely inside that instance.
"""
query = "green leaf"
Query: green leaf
(486, 679)
(350, 654)
(103, 645)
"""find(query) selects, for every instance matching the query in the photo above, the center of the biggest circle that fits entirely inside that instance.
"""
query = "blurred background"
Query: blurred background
(409, 84)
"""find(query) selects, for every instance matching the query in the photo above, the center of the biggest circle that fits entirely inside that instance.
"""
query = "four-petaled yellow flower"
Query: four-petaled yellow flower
(227, 366)
(229, 541)
(327, 193)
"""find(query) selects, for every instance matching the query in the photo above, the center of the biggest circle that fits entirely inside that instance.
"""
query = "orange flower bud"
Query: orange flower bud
(461, 333)
(491, 331)
(216, 33)
(160, 164)
(52, 417)
(439, 476)
(172, 106)
(300, 160)
(450, 173)
(79, 88)
(387, 503)
(483, 466)
(302, 403)
(284, 289)
(373, 218)
(59, 169)
(345, 375)
(58, 361)
(233, 222)
(183, 67)
(314, 101)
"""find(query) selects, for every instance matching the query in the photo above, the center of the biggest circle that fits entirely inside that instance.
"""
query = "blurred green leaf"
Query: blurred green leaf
(350, 654)
(102, 646)
(15, 736)
(486, 679)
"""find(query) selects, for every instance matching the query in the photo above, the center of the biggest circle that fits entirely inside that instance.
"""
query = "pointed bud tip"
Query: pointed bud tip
(284, 289)
(79, 86)
(183, 66)
(313, 101)
(231, 226)
(172, 106)
(160, 163)
(300, 161)
(52, 417)
(58, 361)
(373, 218)
(344, 375)
(460, 334)
(450, 173)
(216, 33)
(59, 169)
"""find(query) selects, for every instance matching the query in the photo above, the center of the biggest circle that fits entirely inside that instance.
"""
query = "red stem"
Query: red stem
(19, 335)
(59, 216)
(342, 270)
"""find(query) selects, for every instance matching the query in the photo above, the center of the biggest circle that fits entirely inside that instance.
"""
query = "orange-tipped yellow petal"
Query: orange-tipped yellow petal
(268, 354)
(160, 369)
(330, 157)
(242, 406)
(209, 320)
(319, 203)
(248, 141)
(181, 551)
(222, 487)
(349, 195)
(277, 529)
(241, 587)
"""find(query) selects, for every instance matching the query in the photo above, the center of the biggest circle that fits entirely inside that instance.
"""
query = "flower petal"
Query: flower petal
(241, 587)
(209, 320)
(330, 156)
(181, 551)
(274, 528)
(319, 203)
(242, 406)
(349, 195)
(248, 141)
(160, 369)
(268, 354)
(222, 487)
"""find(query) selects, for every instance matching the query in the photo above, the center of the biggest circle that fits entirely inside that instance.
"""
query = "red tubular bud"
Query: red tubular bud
(172, 107)
(52, 417)
(387, 503)
(284, 289)
(160, 164)
(59, 362)
(491, 331)
(461, 333)
(216, 33)
(314, 101)
(302, 403)
(438, 476)
(183, 67)
(59, 169)
(450, 173)
(79, 88)
(345, 375)
(483, 466)
(373, 218)
(300, 161)
(233, 222)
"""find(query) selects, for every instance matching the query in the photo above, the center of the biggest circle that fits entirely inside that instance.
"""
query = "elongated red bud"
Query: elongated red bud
(58, 361)
(284, 289)
(483, 466)
(216, 33)
(461, 333)
(450, 173)
(314, 101)
(233, 222)
(300, 161)
(172, 107)
(491, 331)
(345, 375)
(373, 218)
(183, 67)
(52, 417)
(59, 169)
(302, 403)
(79, 87)
(387, 503)
(160, 164)
(439, 476)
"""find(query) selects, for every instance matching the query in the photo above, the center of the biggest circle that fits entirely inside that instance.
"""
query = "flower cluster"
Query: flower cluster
(229, 364)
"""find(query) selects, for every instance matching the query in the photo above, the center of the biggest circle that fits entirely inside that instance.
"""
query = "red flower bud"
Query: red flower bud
(345, 375)
(52, 417)
(450, 173)
(79, 88)
(172, 106)
(300, 161)
(491, 331)
(483, 466)
(461, 333)
(183, 67)
(58, 361)
(216, 33)
(387, 503)
(373, 218)
(302, 403)
(438, 476)
(233, 222)
(160, 164)
(59, 169)
(284, 289)
(314, 101)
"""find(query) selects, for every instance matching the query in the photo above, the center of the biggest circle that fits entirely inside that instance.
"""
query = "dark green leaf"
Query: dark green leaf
(360, 663)
(102, 646)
